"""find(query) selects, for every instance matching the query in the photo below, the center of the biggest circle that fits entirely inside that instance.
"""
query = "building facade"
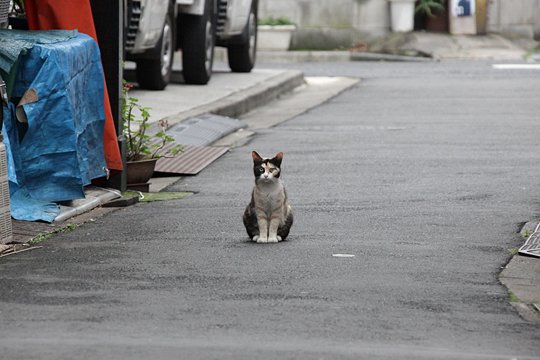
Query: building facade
(334, 24)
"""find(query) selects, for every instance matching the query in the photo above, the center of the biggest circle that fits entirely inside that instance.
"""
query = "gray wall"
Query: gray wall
(334, 24)
(515, 16)
(330, 24)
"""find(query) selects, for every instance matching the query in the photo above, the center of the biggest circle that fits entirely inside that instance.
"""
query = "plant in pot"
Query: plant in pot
(433, 14)
(143, 149)
(274, 33)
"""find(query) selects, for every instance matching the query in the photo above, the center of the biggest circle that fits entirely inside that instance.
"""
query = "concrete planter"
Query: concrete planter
(276, 37)
(402, 15)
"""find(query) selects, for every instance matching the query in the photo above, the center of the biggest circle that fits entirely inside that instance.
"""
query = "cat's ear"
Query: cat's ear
(256, 157)
(277, 159)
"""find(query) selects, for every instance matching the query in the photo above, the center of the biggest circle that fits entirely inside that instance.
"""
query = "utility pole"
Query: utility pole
(109, 22)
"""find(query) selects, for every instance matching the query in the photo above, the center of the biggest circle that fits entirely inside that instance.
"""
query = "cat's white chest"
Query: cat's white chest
(269, 195)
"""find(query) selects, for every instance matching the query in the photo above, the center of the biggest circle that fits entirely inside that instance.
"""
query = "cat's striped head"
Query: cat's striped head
(266, 169)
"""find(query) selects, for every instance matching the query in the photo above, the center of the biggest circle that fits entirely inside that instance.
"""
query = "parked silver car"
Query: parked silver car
(155, 29)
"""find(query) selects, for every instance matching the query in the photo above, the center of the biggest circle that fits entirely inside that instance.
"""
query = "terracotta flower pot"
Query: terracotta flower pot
(139, 172)
(439, 22)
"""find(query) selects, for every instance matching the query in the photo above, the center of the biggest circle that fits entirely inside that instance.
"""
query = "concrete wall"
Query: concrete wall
(330, 24)
(334, 24)
(515, 16)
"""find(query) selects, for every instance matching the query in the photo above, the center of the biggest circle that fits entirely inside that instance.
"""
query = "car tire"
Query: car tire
(198, 46)
(242, 56)
(155, 73)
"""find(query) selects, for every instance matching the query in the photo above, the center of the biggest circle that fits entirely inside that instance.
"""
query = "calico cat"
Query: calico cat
(268, 217)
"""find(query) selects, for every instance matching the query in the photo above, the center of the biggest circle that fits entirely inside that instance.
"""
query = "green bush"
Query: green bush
(430, 7)
(273, 21)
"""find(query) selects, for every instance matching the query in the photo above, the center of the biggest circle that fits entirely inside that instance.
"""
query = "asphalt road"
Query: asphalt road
(424, 172)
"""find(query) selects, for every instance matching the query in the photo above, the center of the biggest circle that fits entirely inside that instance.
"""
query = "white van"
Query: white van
(155, 29)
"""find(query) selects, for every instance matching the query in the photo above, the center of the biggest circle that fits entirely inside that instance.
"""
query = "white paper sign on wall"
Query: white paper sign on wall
(463, 8)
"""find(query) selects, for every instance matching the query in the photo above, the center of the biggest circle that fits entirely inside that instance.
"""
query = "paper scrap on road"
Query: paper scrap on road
(343, 255)
(517, 66)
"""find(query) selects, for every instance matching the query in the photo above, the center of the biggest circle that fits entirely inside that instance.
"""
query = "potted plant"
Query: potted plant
(274, 33)
(434, 14)
(142, 147)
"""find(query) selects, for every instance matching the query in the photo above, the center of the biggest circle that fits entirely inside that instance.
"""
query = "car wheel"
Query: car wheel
(198, 46)
(155, 74)
(242, 56)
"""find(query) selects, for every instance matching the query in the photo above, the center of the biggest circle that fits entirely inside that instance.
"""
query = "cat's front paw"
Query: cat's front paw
(262, 240)
(273, 239)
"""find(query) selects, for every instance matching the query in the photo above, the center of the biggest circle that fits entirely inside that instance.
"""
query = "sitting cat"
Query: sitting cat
(268, 217)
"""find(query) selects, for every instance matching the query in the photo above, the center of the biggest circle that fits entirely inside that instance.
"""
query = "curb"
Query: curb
(296, 56)
(518, 276)
(258, 95)
(366, 56)
(283, 57)
(243, 101)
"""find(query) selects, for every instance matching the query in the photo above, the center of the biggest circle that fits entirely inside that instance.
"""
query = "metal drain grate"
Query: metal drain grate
(204, 129)
(191, 161)
(532, 245)
(6, 231)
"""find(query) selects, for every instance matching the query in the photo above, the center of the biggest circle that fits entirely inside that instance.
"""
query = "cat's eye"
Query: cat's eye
(261, 170)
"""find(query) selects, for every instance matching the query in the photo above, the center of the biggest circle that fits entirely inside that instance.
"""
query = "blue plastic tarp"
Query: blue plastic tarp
(15, 42)
(60, 149)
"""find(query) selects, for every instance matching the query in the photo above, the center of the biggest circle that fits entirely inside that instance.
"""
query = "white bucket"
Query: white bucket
(402, 15)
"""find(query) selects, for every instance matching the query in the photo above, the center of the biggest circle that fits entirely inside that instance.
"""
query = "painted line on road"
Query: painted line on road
(517, 66)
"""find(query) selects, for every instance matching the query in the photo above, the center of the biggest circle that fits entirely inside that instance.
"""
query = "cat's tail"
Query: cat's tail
(250, 222)
(283, 230)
